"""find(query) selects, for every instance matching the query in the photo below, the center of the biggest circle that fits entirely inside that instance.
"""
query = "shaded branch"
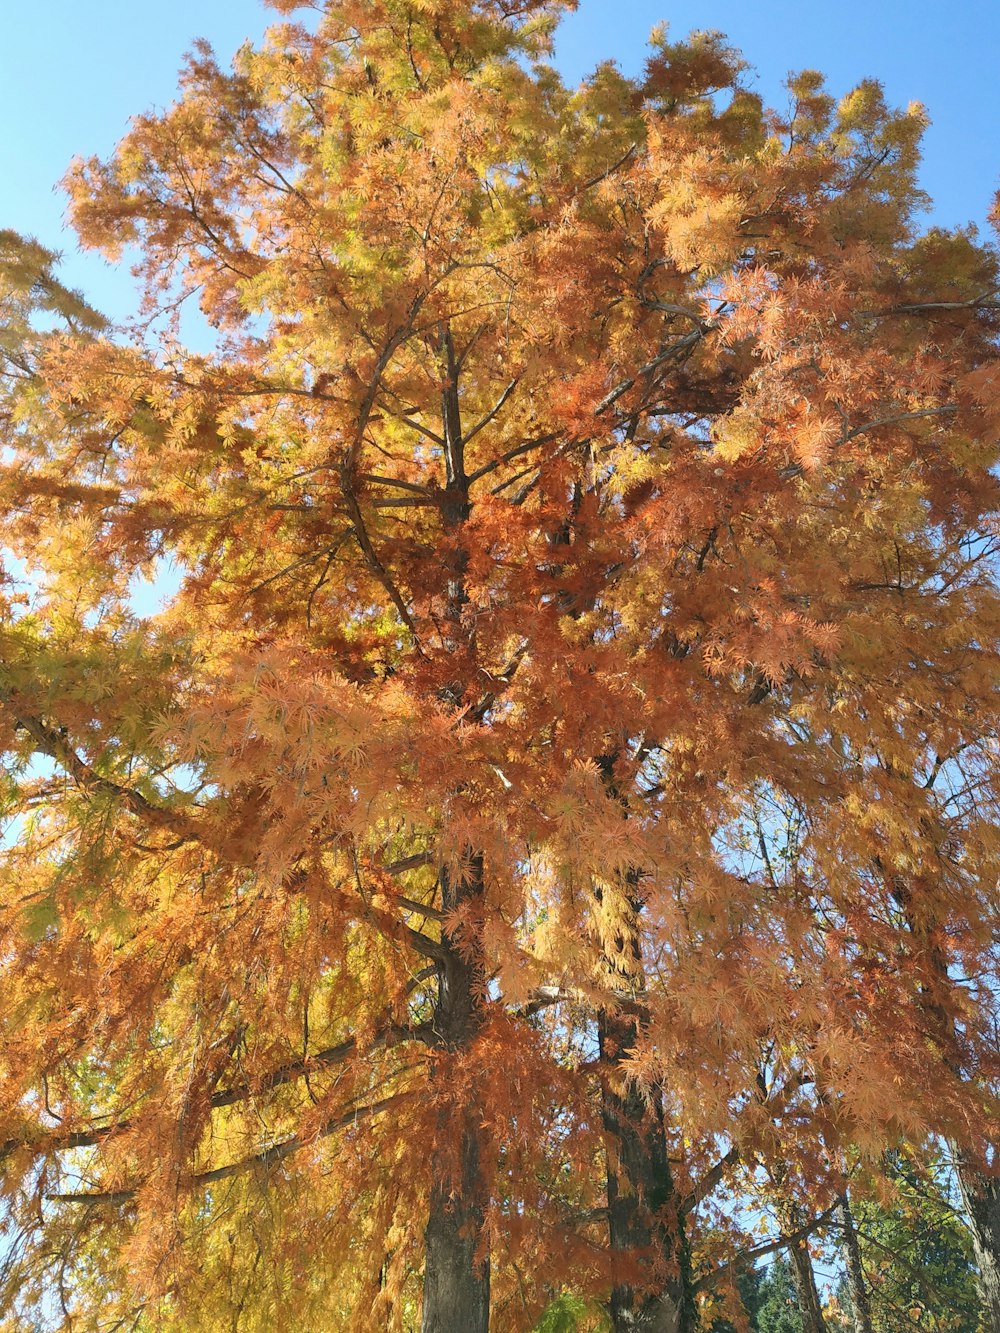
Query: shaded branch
(491, 414)
(948, 409)
(708, 1182)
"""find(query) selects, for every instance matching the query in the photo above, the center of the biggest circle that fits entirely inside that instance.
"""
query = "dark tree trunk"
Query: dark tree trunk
(456, 1263)
(981, 1196)
(643, 1217)
(980, 1192)
(860, 1305)
(806, 1293)
(456, 1271)
(456, 1284)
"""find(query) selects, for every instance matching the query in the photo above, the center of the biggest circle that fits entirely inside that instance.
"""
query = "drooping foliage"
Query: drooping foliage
(562, 773)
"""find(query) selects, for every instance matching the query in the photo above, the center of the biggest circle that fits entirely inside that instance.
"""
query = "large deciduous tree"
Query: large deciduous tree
(581, 538)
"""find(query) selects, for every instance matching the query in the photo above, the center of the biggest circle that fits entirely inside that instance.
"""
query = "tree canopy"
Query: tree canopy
(558, 794)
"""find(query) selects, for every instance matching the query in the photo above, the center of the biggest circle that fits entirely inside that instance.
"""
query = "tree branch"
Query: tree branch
(266, 1157)
(485, 421)
(948, 409)
(747, 1257)
(51, 741)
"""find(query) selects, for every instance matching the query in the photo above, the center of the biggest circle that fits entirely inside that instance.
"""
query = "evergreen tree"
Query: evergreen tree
(778, 1310)
(916, 1253)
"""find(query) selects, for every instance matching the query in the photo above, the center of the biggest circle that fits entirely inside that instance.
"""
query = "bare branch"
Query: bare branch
(393, 1034)
(487, 468)
(51, 741)
(948, 409)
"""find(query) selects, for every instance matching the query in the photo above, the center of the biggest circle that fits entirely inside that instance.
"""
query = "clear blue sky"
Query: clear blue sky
(73, 71)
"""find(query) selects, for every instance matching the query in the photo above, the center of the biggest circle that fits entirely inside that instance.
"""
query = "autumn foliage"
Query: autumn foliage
(558, 791)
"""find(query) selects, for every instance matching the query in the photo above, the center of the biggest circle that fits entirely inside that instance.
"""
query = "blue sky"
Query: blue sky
(73, 71)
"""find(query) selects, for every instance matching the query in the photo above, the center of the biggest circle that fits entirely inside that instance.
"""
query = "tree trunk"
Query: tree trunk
(456, 1269)
(643, 1218)
(456, 1262)
(645, 1224)
(860, 1306)
(456, 1285)
(806, 1291)
(981, 1197)
(980, 1192)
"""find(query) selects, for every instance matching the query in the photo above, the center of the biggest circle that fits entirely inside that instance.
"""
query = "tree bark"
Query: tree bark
(980, 1192)
(456, 1284)
(644, 1220)
(456, 1266)
(981, 1197)
(456, 1259)
(645, 1223)
(860, 1305)
(806, 1291)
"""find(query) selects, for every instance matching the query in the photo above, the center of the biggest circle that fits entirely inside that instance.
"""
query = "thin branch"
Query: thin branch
(603, 176)
(413, 425)
(424, 909)
(393, 481)
(266, 1157)
(668, 353)
(948, 409)
(51, 741)
(374, 563)
(393, 1034)
(708, 1182)
(983, 302)
(487, 468)
(747, 1257)
(408, 863)
(485, 421)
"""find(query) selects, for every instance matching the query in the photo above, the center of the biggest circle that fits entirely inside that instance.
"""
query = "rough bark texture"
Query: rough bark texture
(644, 1220)
(806, 1291)
(456, 1282)
(858, 1290)
(980, 1192)
(981, 1196)
(642, 1208)
(456, 1286)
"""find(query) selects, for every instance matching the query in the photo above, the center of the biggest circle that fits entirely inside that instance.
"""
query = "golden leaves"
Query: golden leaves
(582, 588)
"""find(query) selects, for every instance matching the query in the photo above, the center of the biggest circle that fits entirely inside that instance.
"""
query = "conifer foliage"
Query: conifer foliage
(563, 775)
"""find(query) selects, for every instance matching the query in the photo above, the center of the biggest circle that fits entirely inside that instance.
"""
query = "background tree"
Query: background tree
(916, 1252)
(777, 1303)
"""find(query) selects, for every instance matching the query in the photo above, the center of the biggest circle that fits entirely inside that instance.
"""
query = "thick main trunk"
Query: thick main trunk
(981, 1196)
(857, 1288)
(456, 1283)
(456, 1268)
(456, 1261)
(644, 1223)
(980, 1192)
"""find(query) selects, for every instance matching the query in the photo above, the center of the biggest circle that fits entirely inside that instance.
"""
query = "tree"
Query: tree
(577, 474)
(854, 1269)
(980, 1191)
(778, 1309)
(916, 1251)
